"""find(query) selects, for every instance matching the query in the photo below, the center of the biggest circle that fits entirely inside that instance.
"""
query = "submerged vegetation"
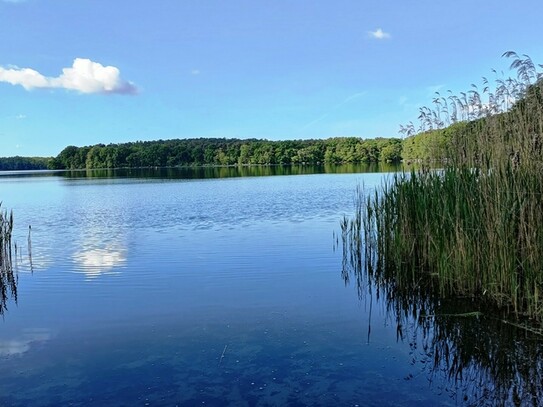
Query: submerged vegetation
(475, 228)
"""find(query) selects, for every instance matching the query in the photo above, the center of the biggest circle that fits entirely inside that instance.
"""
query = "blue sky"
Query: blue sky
(81, 72)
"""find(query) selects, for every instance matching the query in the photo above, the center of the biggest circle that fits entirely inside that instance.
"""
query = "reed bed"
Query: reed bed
(475, 227)
(6, 227)
(457, 341)
(8, 280)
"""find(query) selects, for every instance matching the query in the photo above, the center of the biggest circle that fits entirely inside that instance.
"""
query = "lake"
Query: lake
(228, 287)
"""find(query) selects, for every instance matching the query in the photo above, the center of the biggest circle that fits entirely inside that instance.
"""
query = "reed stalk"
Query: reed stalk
(475, 227)
(8, 280)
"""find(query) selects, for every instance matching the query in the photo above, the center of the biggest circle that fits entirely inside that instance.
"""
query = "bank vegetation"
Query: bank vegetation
(475, 227)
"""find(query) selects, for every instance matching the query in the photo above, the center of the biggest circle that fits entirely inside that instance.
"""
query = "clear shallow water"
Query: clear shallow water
(165, 289)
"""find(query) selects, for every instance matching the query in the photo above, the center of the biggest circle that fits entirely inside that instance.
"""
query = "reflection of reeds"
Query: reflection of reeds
(8, 280)
(473, 230)
(29, 242)
(463, 345)
(467, 232)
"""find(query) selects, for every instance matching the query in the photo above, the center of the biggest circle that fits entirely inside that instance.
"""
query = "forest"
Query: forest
(222, 151)
(24, 163)
(431, 144)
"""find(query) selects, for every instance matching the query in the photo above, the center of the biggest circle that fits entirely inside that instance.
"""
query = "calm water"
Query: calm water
(195, 288)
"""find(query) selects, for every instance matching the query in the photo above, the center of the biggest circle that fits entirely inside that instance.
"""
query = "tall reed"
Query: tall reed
(8, 280)
(6, 227)
(474, 228)
(460, 344)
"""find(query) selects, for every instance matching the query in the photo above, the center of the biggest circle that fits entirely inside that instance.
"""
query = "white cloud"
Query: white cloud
(84, 76)
(20, 116)
(195, 72)
(379, 34)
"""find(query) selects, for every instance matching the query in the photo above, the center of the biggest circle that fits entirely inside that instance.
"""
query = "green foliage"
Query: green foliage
(433, 145)
(206, 151)
(466, 232)
(23, 163)
(474, 228)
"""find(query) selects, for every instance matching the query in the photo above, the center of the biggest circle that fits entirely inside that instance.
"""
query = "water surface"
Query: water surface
(191, 288)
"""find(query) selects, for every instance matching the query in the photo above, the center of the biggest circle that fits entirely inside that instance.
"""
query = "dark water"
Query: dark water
(228, 287)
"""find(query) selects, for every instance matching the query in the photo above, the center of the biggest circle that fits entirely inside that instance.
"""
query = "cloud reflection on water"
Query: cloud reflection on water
(100, 247)
(94, 261)
(13, 347)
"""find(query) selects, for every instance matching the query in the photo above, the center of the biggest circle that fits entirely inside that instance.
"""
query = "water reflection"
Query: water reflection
(100, 250)
(465, 349)
(231, 171)
(22, 344)
(11, 261)
(95, 261)
(99, 245)
(8, 279)
(207, 172)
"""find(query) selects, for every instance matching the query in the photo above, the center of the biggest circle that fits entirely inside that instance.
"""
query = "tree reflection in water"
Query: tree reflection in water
(465, 348)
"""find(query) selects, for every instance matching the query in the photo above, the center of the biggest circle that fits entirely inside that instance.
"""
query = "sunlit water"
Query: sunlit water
(139, 290)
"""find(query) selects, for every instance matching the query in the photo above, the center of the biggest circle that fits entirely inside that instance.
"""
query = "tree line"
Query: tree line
(24, 163)
(221, 151)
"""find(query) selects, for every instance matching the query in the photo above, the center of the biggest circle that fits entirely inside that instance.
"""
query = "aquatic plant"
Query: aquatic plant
(475, 227)
(464, 346)
(6, 228)
(8, 280)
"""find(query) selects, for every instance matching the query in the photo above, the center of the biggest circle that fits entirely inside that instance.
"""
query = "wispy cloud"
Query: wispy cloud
(84, 76)
(14, 1)
(195, 72)
(20, 116)
(334, 108)
(379, 34)
(434, 88)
